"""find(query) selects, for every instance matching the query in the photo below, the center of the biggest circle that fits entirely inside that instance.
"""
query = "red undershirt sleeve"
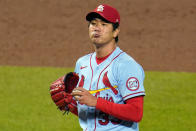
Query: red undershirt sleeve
(131, 111)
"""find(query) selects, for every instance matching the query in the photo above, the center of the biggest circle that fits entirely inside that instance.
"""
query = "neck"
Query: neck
(104, 50)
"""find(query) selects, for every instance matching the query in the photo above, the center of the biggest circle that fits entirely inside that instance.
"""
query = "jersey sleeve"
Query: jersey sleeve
(77, 67)
(130, 77)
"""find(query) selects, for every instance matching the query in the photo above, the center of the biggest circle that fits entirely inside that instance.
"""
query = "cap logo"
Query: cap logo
(100, 8)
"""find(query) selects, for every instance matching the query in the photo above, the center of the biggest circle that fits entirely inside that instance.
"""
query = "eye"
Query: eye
(93, 23)
(104, 24)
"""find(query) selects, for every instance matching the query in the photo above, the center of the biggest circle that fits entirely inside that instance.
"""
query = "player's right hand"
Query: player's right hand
(83, 96)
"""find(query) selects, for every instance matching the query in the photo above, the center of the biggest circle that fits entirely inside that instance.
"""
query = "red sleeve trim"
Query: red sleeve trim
(131, 111)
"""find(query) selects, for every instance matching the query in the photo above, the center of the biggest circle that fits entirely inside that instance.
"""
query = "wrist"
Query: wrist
(99, 103)
(94, 103)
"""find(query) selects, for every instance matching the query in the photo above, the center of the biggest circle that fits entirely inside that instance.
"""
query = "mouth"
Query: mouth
(95, 35)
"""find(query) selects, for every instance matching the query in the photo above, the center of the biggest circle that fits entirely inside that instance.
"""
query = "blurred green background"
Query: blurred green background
(25, 103)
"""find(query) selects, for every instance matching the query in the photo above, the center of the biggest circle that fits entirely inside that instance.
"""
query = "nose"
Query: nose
(97, 27)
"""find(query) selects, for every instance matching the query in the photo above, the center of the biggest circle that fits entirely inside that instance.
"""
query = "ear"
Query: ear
(116, 32)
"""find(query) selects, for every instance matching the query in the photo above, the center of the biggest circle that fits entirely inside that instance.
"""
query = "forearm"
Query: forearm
(131, 111)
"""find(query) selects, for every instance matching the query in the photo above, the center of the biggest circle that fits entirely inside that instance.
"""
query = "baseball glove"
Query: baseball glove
(61, 89)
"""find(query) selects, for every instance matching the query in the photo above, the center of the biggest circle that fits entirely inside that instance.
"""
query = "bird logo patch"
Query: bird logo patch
(107, 83)
(132, 84)
(100, 8)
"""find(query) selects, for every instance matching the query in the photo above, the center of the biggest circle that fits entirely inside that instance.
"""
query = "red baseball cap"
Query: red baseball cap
(107, 12)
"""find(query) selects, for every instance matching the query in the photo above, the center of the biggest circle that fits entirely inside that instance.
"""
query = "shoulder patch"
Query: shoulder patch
(132, 84)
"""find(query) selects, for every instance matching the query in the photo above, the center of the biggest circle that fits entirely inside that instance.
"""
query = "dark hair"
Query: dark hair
(115, 25)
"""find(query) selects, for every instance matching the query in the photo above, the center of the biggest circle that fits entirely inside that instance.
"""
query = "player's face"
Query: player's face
(101, 32)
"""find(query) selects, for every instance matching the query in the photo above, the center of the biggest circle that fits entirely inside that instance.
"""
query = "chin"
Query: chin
(96, 41)
(98, 45)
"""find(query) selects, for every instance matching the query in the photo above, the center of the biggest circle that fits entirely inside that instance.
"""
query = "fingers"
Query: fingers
(84, 97)
(87, 99)
(78, 91)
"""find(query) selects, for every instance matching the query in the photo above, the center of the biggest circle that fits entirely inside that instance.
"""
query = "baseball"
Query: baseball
(76, 96)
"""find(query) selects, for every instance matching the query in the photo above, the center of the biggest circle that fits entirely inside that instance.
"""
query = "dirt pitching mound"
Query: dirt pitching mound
(160, 35)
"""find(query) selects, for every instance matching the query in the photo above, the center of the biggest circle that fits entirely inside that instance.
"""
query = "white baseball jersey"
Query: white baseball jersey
(116, 79)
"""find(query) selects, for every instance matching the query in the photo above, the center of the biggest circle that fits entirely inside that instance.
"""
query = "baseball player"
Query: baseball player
(110, 92)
